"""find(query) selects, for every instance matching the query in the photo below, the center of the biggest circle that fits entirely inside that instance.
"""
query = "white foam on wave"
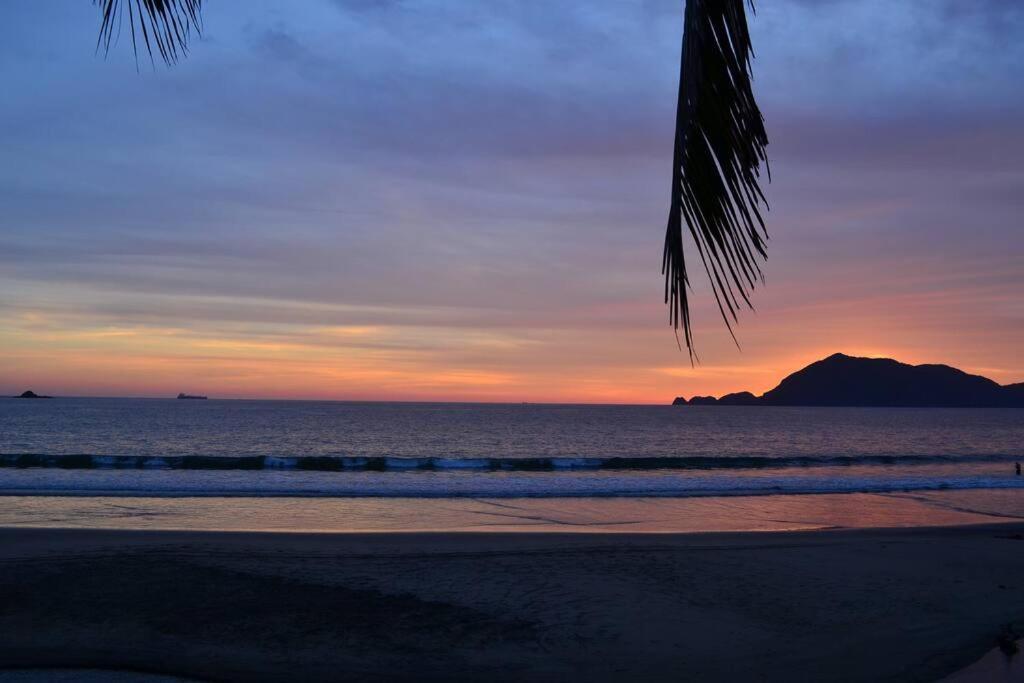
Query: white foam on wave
(461, 463)
(575, 463)
(155, 464)
(406, 463)
(272, 462)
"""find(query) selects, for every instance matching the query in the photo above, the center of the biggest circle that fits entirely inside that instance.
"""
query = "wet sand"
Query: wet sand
(843, 605)
(529, 515)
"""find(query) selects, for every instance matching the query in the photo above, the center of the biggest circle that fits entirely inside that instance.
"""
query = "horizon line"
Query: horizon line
(345, 400)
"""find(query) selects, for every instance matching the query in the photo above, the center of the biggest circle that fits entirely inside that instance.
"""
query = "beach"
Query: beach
(910, 604)
(318, 541)
(334, 346)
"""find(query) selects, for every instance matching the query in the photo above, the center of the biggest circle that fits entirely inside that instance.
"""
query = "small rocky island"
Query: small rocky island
(842, 380)
(191, 397)
(30, 394)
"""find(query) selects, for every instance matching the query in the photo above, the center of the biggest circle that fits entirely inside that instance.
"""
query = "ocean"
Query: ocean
(259, 450)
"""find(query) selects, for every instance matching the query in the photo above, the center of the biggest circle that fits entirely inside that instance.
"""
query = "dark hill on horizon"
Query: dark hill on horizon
(842, 380)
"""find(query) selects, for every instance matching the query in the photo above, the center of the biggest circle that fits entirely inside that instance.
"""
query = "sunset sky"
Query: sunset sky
(466, 200)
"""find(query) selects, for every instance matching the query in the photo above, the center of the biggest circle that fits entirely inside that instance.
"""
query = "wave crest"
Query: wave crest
(443, 463)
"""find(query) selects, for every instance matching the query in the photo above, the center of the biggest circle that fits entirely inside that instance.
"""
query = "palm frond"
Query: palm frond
(163, 25)
(719, 147)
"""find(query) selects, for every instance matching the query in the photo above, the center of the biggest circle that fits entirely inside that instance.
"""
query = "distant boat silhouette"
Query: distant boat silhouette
(190, 397)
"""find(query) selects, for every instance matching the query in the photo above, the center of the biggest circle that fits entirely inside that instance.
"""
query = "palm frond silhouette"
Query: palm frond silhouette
(719, 148)
(165, 26)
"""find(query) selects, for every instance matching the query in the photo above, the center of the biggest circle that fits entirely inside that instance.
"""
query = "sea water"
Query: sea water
(139, 448)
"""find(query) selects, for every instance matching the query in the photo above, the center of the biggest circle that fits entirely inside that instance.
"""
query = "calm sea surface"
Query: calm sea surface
(132, 447)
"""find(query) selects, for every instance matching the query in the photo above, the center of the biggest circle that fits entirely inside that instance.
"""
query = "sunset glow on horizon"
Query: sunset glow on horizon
(338, 204)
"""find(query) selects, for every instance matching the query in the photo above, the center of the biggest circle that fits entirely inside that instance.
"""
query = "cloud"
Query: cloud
(485, 184)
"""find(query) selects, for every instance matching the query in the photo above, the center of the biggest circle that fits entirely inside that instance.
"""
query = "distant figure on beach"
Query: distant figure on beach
(1017, 466)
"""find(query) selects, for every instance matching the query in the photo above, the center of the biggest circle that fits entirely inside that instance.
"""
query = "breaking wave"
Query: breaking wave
(406, 464)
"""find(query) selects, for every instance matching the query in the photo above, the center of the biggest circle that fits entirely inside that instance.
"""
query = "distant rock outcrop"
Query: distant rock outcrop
(30, 394)
(680, 401)
(842, 380)
(740, 398)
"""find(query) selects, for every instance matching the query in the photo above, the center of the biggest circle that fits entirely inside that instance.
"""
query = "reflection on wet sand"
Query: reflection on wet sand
(653, 515)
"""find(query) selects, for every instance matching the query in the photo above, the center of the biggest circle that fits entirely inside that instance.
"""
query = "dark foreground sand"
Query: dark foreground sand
(905, 605)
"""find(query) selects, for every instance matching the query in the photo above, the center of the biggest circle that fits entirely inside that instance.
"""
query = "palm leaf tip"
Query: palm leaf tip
(719, 148)
(161, 26)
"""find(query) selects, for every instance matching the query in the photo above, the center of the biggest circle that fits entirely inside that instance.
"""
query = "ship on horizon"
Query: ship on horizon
(191, 397)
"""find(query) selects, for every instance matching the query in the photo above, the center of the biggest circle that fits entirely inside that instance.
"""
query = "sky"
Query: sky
(465, 200)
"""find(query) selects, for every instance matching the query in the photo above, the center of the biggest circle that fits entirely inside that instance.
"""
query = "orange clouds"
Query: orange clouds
(66, 355)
